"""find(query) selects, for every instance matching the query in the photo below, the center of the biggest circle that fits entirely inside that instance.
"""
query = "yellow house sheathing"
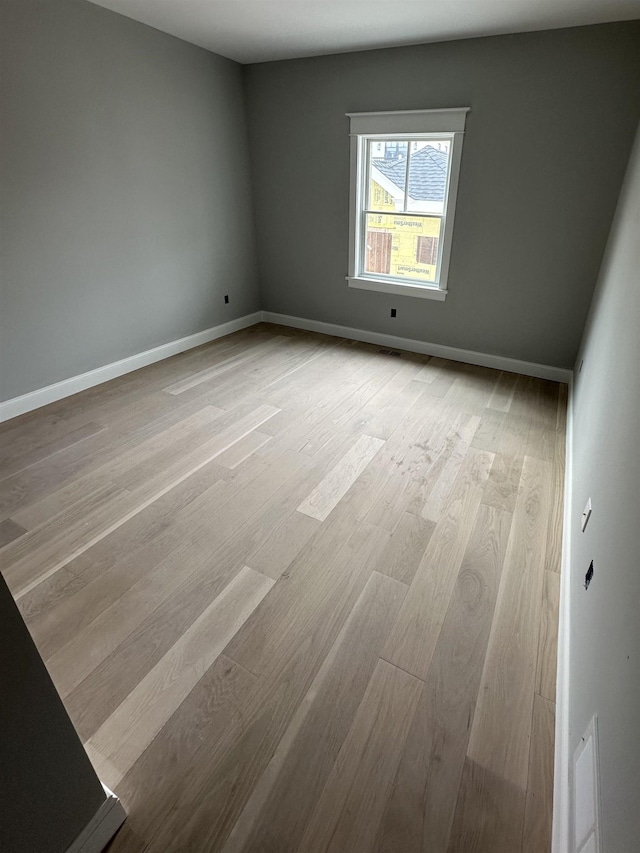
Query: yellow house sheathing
(405, 230)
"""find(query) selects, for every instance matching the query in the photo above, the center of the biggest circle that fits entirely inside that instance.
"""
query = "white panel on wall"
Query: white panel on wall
(590, 845)
(585, 776)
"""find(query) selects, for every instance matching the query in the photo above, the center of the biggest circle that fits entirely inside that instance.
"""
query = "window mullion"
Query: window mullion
(406, 179)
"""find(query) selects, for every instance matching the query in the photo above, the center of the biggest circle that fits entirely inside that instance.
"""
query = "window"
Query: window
(404, 178)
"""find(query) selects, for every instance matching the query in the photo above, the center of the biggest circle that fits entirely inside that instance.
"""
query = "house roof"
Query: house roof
(427, 175)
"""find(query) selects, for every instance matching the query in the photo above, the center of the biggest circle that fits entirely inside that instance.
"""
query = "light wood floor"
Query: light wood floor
(300, 594)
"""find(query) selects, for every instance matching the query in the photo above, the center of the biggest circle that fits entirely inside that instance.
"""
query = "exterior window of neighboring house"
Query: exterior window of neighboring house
(378, 252)
(427, 250)
(404, 179)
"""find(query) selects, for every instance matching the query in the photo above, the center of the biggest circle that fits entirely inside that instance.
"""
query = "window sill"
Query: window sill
(422, 291)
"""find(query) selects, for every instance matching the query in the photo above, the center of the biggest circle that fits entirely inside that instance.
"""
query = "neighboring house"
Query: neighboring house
(399, 243)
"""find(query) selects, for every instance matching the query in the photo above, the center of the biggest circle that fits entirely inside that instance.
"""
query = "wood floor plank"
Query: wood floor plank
(539, 803)
(561, 419)
(406, 547)
(233, 361)
(381, 415)
(12, 461)
(432, 510)
(548, 640)
(243, 379)
(213, 705)
(489, 814)
(425, 432)
(383, 421)
(555, 532)
(444, 379)
(412, 641)
(242, 384)
(130, 729)
(503, 392)
(284, 544)
(437, 440)
(276, 814)
(46, 596)
(500, 733)
(433, 369)
(243, 449)
(502, 487)
(350, 807)
(40, 553)
(30, 431)
(10, 531)
(420, 811)
(545, 400)
(489, 432)
(542, 433)
(310, 384)
(338, 481)
(412, 458)
(472, 388)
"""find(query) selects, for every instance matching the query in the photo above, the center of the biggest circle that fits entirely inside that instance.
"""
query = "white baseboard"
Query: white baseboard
(35, 399)
(562, 828)
(513, 365)
(102, 826)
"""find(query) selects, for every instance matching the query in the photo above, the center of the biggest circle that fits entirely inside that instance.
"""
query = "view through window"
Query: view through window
(406, 192)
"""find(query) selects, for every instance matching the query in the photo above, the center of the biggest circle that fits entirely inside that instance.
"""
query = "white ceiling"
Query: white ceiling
(263, 30)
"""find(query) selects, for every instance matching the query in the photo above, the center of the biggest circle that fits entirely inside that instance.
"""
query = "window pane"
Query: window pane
(387, 170)
(428, 167)
(402, 245)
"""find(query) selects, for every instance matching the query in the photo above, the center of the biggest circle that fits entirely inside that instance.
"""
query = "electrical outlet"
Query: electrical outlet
(226, 299)
(586, 515)
(393, 312)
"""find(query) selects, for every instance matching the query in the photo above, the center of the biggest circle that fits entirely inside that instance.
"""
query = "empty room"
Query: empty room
(319, 426)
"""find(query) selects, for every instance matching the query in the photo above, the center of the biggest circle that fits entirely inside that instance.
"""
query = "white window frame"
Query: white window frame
(412, 124)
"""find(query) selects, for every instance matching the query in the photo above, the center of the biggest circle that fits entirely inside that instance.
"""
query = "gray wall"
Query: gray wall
(125, 194)
(552, 122)
(48, 788)
(605, 625)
